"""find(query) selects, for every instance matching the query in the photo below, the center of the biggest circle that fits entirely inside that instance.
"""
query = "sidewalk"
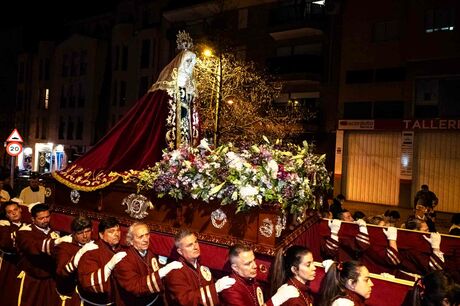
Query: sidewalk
(442, 219)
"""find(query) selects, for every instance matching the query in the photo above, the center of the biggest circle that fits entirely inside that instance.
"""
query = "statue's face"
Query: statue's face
(187, 63)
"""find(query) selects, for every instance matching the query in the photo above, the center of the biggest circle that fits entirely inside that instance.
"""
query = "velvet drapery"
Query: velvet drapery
(134, 143)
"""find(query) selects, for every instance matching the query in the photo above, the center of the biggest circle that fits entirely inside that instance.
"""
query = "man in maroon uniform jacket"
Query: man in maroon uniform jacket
(95, 284)
(193, 284)
(246, 290)
(68, 255)
(346, 245)
(8, 256)
(379, 258)
(35, 243)
(138, 275)
(420, 257)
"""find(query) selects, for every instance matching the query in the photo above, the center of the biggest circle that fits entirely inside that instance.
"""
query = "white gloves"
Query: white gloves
(224, 283)
(334, 225)
(112, 263)
(362, 226)
(169, 267)
(434, 240)
(284, 293)
(87, 247)
(67, 238)
(327, 264)
(391, 232)
(25, 227)
(5, 223)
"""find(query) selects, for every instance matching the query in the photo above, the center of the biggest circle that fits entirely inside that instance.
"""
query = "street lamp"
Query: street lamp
(207, 52)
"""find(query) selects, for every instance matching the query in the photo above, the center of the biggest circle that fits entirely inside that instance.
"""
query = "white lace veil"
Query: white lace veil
(167, 80)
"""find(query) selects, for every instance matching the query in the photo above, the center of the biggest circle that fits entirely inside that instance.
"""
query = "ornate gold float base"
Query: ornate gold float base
(264, 228)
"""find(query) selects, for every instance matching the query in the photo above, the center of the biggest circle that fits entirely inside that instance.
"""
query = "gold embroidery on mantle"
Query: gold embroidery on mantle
(80, 179)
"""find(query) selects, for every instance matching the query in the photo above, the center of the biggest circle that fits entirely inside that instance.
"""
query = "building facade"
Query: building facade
(76, 89)
(399, 102)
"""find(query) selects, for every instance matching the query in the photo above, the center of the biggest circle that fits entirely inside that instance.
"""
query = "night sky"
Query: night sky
(45, 19)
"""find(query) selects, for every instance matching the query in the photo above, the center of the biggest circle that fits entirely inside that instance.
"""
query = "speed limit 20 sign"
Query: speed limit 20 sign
(14, 148)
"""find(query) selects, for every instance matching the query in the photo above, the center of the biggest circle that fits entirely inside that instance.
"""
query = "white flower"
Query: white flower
(234, 161)
(247, 191)
(273, 168)
(175, 155)
(204, 145)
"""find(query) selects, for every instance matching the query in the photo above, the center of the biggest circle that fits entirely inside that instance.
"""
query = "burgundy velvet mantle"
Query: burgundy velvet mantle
(134, 143)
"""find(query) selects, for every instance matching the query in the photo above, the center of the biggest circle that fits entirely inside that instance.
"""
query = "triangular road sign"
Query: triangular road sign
(14, 137)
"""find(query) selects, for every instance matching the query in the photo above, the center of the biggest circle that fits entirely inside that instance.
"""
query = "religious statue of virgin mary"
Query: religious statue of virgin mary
(177, 80)
(164, 118)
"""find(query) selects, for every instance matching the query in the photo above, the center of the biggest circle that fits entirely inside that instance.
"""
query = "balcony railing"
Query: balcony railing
(295, 64)
(298, 14)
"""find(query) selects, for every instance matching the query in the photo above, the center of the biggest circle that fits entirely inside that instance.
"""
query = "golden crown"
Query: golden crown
(184, 41)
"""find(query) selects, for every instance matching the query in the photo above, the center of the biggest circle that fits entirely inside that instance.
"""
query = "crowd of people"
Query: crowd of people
(422, 219)
(41, 267)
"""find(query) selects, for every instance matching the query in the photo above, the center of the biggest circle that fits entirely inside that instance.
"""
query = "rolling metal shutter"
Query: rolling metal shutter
(437, 164)
(372, 166)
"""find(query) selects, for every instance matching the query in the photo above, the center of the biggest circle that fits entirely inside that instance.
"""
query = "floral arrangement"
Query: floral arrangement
(248, 176)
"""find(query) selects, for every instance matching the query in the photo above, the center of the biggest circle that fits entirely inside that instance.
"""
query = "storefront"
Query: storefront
(42, 158)
(386, 161)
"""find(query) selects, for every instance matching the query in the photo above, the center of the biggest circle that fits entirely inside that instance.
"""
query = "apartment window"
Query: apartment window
(144, 84)
(145, 54)
(46, 98)
(81, 95)
(61, 130)
(75, 63)
(79, 132)
(44, 129)
(124, 58)
(388, 110)
(359, 76)
(426, 98)
(442, 19)
(63, 97)
(386, 31)
(41, 98)
(437, 97)
(307, 49)
(357, 110)
(390, 74)
(284, 51)
(71, 96)
(70, 127)
(122, 93)
(243, 18)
